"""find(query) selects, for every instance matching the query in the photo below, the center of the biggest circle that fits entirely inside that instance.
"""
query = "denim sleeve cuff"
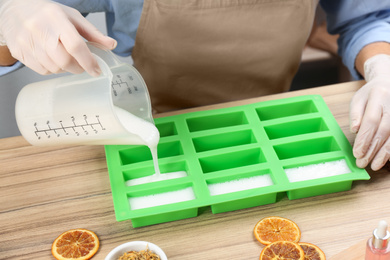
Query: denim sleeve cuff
(8, 69)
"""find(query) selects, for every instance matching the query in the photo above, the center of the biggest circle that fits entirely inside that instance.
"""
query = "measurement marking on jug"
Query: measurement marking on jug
(119, 82)
(71, 129)
(123, 81)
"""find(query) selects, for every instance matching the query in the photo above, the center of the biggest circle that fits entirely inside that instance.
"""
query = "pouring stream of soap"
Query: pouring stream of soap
(145, 130)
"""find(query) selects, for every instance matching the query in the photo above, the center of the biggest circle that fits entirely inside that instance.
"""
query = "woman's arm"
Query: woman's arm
(6, 58)
(370, 113)
(49, 37)
(369, 51)
(364, 45)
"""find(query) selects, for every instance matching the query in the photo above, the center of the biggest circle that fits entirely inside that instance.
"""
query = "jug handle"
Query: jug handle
(106, 71)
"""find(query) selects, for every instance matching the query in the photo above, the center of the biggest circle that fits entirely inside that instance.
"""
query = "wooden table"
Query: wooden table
(46, 191)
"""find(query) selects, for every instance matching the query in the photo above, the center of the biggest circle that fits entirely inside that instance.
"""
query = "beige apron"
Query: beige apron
(200, 52)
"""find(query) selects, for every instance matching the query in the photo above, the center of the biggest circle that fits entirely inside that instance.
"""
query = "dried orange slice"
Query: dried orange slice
(282, 250)
(75, 244)
(272, 229)
(312, 252)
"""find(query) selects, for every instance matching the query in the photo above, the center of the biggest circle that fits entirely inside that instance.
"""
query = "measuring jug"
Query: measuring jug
(81, 109)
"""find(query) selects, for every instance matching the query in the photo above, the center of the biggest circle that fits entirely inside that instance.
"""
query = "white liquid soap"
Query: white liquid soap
(149, 179)
(159, 199)
(316, 171)
(146, 131)
(240, 184)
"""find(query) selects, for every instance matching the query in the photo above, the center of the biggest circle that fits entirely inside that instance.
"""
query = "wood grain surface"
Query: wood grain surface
(355, 252)
(45, 191)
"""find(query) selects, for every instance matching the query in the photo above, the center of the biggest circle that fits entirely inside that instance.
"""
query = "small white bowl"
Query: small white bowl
(135, 246)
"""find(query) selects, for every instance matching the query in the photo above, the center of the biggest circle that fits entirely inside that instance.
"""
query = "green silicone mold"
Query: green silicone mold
(217, 146)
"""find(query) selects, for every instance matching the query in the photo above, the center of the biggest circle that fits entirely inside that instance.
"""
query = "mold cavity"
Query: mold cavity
(138, 154)
(156, 177)
(153, 199)
(306, 147)
(169, 149)
(135, 154)
(231, 160)
(317, 171)
(296, 128)
(216, 121)
(166, 129)
(239, 183)
(285, 110)
(223, 140)
(143, 175)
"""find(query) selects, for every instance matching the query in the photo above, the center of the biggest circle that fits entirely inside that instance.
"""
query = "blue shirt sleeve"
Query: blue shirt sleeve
(358, 23)
(8, 69)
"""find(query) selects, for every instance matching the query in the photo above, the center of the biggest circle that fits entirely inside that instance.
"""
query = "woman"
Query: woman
(199, 52)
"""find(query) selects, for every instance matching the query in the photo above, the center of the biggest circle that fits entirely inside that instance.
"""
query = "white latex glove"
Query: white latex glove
(48, 37)
(370, 114)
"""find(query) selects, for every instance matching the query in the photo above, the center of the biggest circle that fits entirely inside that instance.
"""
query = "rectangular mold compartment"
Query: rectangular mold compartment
(243, 197)
(181, 207)
(286, 110)
(294, 128)
(322, 168)
(135, 175)
(135, 154)
(223, 140)
(166, 129)
(339, 179)
(306, 147)
(141, 153)
(201, 123)
(319, 189)
(231, 160)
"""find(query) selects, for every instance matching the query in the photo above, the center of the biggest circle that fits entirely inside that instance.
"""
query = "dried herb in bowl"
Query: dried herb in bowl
(141, 255)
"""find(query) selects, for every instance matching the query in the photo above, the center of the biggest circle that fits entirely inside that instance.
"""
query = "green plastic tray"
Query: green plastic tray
(226, 144)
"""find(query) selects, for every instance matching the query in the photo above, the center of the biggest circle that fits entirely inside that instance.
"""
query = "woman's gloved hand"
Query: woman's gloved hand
(48, 37)
(370, 114)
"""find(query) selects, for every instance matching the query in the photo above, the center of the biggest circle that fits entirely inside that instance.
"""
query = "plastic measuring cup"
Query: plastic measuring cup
(81, 109)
